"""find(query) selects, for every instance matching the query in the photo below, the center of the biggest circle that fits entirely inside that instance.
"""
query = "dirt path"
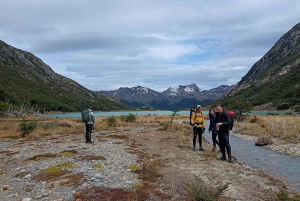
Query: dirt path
(182, 164)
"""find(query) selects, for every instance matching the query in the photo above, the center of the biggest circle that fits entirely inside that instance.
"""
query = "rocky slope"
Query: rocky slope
(25, 77)
(273, 81)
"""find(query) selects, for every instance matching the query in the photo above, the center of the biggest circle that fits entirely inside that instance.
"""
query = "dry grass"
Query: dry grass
(285, 127)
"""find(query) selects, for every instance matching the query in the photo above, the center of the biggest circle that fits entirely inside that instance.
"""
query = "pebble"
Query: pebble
(26, 188)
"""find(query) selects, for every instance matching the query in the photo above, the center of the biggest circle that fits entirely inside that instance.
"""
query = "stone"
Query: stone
(28, 176)
(26, 199)
(5, 187)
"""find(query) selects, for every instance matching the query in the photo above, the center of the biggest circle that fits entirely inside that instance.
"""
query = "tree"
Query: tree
(240, 107)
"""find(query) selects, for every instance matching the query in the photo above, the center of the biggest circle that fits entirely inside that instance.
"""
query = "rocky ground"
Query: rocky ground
(109, 161)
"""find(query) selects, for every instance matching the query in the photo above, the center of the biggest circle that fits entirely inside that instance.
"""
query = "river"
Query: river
(285, 167)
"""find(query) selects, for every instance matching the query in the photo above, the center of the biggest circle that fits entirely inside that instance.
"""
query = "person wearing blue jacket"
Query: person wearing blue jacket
(212, 128)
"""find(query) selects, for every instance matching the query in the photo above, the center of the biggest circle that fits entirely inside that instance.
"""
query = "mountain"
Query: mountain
(183, 96)
(273, 82)
(26, 78)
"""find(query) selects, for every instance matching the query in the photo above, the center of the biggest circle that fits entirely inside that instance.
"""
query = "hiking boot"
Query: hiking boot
(222, 158)
(214, 149)
(230, 159)
(201, 149)
(194, 149)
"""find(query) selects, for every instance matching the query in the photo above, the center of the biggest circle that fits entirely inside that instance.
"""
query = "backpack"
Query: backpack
(85, 115)
(231, 114)
(191, 112)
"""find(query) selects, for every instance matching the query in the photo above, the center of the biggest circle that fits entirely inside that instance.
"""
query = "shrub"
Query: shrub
(282, 195)
(130, 118)
(202, 191)
(254, 119)
(264, 140)
(27, 127)
(111, 121)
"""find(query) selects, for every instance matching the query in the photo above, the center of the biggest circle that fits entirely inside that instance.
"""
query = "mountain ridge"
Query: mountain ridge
(26, 78)
(183, 96)
(273, 81)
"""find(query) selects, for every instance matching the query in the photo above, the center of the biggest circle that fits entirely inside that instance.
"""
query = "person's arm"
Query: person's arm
(92, 116)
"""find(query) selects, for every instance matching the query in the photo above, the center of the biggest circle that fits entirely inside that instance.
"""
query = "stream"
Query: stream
(283, 166)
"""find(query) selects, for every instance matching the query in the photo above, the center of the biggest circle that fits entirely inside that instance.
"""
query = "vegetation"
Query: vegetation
(111, 121)
(27, 127)
(205, 191)
(279, 94)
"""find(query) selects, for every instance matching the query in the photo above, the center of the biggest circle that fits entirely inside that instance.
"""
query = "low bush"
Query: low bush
(201, 191)
(111, 121)
(130, 118)
(27, 127)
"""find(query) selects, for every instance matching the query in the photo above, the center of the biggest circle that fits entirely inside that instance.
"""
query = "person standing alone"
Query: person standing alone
(197, 121)
(223, 121)
(89, 126)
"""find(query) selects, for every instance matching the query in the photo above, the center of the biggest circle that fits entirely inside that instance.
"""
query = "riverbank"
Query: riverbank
(111, 160)
(281, 146)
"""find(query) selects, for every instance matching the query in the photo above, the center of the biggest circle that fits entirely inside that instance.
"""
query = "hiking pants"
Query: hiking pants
(224, 142)
(214, 139)
(197, 131)
(88, 132)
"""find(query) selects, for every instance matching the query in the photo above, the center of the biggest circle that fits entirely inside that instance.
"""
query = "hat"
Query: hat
(198, 106)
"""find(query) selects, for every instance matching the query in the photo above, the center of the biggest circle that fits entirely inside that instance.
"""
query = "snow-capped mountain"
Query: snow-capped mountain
(183, 96)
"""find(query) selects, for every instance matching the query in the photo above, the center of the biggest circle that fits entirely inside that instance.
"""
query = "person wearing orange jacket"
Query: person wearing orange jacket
(197, 121)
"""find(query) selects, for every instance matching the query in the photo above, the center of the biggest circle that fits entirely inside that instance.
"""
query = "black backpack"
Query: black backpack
(191, 112)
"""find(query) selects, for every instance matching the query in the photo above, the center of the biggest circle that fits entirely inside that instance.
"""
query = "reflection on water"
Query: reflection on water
(277, 164)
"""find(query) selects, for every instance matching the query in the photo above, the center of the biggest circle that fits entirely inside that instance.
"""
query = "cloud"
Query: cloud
(104, 45)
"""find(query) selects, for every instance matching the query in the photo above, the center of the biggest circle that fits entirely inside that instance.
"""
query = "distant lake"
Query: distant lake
(140, 113)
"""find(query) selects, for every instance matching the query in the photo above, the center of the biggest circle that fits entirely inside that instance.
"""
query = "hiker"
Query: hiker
(89, 126)
(223, 122)
(212, 128)
(197, 121)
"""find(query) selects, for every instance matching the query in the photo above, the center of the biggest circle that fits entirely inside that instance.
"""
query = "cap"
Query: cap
(198, 106)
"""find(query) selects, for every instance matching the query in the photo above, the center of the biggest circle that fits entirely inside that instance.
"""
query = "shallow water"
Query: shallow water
(283, 166)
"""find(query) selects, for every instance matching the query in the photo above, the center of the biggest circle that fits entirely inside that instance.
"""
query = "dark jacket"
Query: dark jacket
(212, 124)
(225, 119)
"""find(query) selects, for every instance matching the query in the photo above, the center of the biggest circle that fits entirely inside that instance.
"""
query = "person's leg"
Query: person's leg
(222, 145)
(194, 138)
(228, 147)
(199, 132)
(86, 133)
(89, 132)
(214, 138)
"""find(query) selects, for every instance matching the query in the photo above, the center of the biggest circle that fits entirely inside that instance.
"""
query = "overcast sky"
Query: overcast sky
(107, 44)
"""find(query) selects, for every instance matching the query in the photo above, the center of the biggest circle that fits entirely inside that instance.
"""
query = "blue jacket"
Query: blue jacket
(212, 124)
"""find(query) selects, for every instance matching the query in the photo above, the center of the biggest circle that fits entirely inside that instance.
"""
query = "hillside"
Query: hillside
(273, 81)
(25, 77)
